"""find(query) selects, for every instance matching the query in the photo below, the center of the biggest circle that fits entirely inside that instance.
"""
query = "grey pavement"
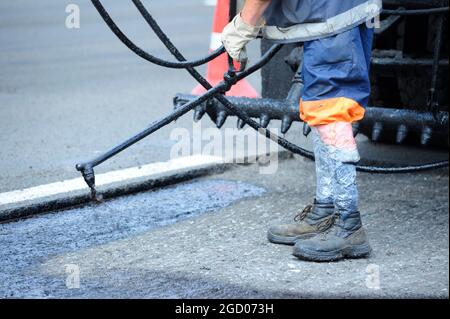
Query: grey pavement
(207, 238)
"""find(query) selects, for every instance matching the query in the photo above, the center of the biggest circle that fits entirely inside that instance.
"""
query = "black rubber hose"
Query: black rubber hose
(405, 12)
(145, 55)
(402, 169)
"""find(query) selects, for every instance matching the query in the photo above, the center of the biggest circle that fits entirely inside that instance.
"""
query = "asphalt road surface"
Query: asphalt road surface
(207, 238)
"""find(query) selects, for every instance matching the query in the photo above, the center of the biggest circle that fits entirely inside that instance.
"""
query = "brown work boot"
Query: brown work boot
(313, 220)
(345, 239)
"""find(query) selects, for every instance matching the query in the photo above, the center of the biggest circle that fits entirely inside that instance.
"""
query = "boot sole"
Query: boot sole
(356, 251)
(287, 240)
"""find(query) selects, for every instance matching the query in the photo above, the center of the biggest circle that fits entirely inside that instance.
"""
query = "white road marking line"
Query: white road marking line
(149, 170)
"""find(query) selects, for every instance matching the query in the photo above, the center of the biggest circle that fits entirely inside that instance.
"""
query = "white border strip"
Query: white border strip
(149, 170)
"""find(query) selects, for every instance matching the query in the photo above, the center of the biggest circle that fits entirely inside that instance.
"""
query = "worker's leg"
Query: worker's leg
(342, 153)
(335, 144)
(336, 87)
(324, 168)
(346, 190)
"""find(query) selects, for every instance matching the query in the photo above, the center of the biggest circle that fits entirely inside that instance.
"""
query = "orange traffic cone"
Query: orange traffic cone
(218, 67)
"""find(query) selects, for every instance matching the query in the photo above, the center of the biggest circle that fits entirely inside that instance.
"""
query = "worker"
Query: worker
(337, 41)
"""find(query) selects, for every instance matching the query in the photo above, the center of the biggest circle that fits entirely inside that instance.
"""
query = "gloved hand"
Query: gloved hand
(235, 37)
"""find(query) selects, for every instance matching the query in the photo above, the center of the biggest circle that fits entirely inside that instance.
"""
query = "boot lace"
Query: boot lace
(302, 215)
(326, 225)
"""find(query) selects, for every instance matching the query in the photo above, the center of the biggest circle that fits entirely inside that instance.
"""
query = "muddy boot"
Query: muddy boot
(345, 239)
(313, 220)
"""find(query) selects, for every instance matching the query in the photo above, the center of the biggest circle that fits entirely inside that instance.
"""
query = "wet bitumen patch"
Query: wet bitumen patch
(27, 243)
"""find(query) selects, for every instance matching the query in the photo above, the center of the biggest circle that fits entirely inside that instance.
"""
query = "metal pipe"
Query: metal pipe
(279, 110)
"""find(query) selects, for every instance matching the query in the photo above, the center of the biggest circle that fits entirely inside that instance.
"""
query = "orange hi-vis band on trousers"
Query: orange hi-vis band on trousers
(327, 111)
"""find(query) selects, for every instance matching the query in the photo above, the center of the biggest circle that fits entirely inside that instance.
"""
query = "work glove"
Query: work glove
(235, 37)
